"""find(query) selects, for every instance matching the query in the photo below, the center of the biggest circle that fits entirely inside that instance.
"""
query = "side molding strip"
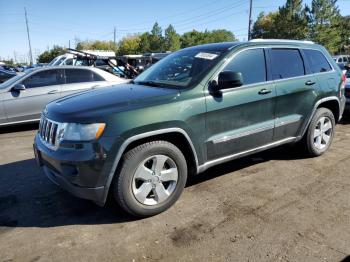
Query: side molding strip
(224, 159)
(247, 133)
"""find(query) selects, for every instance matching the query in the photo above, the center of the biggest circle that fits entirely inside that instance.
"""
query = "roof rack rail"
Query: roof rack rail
(282, 40)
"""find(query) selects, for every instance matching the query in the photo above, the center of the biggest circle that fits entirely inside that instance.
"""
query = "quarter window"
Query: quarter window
(81, 76)
(286, 63)
(251, 64)
(317, 61)
(43, 78)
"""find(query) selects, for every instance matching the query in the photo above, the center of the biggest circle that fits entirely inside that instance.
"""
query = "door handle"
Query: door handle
(264, 91)
(310, 83)
(52, 92)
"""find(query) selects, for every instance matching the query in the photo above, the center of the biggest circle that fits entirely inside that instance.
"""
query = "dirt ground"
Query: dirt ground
(273, 206)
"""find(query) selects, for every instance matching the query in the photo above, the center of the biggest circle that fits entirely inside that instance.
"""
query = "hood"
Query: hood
(101, 102)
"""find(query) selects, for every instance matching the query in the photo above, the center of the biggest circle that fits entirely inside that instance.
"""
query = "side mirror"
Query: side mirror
(19, 87)
(230, 79)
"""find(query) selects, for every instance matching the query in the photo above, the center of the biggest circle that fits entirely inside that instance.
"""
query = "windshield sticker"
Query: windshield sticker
(207, 56)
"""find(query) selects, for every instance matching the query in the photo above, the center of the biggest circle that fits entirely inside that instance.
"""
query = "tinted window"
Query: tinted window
(317, 61)
(345, 59)
(100, 62)
(340, 60)
(81, 75)
(68, 61)
(251, 63)
(286, 63)
(43, 78)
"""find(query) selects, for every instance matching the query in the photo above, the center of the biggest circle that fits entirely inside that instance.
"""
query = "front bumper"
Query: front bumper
(82, 172)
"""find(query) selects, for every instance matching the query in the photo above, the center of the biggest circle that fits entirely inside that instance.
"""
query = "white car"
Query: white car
(23, 97)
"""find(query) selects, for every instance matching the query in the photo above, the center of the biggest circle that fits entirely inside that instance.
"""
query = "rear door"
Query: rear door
(241, 118)
(295, 90)
(78, 80)
(42, 87)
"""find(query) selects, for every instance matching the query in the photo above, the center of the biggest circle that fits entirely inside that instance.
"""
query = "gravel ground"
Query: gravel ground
(273, 206)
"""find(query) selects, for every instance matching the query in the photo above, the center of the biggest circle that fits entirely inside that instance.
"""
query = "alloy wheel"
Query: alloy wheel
(154, 180)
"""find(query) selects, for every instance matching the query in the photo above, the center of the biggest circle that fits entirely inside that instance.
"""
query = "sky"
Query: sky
(58, 22)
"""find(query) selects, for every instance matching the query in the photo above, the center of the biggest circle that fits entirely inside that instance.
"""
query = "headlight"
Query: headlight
(81, 132)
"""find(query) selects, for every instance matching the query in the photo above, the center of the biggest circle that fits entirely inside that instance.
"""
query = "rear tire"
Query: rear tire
(152, 177)
(320, 133)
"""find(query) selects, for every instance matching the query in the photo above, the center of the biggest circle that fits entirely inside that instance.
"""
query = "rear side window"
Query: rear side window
(251, 63)
(81, 76)
(43, 78)
(286, 63)
(318, 62)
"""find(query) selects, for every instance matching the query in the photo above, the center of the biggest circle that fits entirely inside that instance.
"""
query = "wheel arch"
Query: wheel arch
(176, 136)
(332, 103)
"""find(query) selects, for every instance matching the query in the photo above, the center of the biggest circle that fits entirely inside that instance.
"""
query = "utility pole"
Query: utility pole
(15, 56)
(250, 19)
(69, 44)
(30, 46)
(114, 36)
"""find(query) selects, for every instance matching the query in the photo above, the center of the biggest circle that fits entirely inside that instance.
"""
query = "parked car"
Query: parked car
(23, 97)
(194, 109)
(342, 59)
(6, 74)
(346, 71)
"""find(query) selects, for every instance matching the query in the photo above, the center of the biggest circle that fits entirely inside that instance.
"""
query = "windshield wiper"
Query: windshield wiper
(148, 83)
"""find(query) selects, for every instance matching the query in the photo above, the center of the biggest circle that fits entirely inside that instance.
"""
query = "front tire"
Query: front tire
(320, 133)
(152, 177)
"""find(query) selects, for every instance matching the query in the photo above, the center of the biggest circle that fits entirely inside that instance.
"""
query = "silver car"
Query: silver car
(23, 97)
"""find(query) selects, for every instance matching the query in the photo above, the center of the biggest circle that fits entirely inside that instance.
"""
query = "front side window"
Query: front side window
(251, 64)
(69, 61)
(286, 63)
(317, 61)
(81, 76)
(43, 78)
(181, 69)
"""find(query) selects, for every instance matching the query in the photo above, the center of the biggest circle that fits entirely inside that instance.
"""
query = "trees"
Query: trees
(171, 39)
(321, 22)
(129, 45)
(48, 55)
(291, 21)
(325, 24)
(96, 45)
(264, 26)
(197, 38)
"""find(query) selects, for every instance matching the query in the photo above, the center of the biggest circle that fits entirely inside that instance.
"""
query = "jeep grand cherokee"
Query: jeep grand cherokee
(196, 108)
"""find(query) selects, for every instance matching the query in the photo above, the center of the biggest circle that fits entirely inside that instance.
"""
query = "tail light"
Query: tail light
(343, 81)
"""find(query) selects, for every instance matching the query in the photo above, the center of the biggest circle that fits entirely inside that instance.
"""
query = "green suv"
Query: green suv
(196, 108)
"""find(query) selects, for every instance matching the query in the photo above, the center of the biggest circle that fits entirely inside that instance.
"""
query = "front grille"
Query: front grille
(48, 132)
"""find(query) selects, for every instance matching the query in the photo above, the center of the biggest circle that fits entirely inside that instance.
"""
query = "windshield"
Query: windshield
(54, 60)
(11, 80)
(181, 69)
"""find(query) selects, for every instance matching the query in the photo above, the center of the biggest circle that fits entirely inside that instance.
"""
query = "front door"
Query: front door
(241, 118)
(42, 87)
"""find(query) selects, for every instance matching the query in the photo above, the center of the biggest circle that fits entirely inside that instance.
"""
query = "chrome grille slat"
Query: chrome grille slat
(48, 131)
